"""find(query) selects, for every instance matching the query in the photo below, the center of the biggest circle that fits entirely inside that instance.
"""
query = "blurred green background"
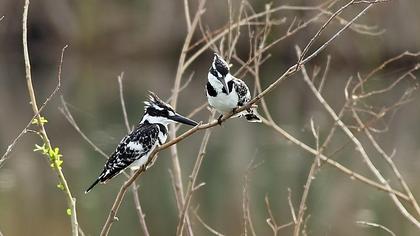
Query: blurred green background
(143, 38)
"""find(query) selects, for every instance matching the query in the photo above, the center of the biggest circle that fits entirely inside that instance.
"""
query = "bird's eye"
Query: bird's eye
(221, 68)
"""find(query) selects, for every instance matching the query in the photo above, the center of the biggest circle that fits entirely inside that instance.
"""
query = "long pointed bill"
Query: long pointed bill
(183, 120)
(222, 80)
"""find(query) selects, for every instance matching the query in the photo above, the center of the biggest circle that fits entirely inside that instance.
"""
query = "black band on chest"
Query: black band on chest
(210, 90)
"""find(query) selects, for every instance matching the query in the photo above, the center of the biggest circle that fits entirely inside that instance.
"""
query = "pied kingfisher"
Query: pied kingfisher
(226, 93)
(135, 148)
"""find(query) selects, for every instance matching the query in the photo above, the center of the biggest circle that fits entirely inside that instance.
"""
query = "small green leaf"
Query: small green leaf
(58, 163)
(51, 153)
(68, 211)
(41, 121)
(60, 186)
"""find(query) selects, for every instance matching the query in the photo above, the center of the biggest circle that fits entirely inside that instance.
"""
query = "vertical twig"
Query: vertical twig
(71, 202)
(193, 178)
(172, 133)
(187, 15)
(134, 187)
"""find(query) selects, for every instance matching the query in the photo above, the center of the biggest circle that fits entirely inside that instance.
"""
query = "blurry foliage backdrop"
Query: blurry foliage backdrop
(143, 38)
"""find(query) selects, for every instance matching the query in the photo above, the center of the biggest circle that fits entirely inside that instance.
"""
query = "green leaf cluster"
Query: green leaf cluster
(41, 121)
(53, 154)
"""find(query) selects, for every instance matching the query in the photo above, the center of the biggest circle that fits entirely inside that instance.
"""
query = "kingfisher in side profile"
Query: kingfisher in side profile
(226, 93)
(135, 148)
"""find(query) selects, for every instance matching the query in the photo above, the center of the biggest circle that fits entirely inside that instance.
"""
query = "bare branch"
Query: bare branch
(362, 151)
(187, 15)
(71, 202)
(292, 208)
(67, 114)
(365, 223)
(324, 75)
(134, 191)
(347, 171)
(318, 33)
(193, 178)
(388, 159)
(210, 229)
(124, 110)
(175, 92)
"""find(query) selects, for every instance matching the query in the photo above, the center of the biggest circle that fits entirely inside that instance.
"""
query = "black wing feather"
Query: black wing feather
(242, 91)
(145, 134)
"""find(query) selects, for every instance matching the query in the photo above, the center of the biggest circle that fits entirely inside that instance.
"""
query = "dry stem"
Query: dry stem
(134, 187)
(71, 202)
(362, 152)
(365, 223)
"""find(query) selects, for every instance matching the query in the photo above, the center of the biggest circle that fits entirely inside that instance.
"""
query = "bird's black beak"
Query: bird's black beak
(222, 80)
(183, 120)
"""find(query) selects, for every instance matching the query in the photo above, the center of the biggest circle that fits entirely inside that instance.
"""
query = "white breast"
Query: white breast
(224, 102)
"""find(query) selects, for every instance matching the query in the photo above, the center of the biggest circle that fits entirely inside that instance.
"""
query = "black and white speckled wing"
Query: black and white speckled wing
(131, 148)
(242, 90)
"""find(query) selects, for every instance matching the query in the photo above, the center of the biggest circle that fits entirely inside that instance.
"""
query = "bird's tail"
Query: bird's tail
(93, 185)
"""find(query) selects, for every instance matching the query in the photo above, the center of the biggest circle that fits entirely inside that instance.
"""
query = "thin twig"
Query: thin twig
(210, 229)
(124, 110)
(291, 207)
(247, 220)
(318, 33)
(324, 75)
(391, 163)
(172, 133)
(362, 152)
(375, 225)
(71, 202)
(134, 191)
(272, 222)
(390, 87)
(193, 178)
(25, 130)
(340, 167)
(67, 114)
(187, 15)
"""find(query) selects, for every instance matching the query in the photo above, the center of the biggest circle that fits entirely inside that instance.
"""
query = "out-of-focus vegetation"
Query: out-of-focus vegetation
(144, 39)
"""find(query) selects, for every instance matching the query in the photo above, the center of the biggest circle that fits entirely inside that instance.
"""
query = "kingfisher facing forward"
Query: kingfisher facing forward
(135, 148)
(226, 93)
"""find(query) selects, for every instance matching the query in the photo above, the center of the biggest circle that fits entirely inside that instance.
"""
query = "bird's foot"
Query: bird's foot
(219, 120)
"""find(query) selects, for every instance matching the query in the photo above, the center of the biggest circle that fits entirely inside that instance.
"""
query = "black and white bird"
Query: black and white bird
(135, 148)
(226, 93)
